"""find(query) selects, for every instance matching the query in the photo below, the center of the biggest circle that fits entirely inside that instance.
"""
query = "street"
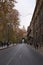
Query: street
(20, 54)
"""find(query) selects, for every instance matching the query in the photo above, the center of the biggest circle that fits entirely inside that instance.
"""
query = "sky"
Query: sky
(26, 9)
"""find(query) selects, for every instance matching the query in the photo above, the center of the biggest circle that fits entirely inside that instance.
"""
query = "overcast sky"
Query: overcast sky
(26, 9)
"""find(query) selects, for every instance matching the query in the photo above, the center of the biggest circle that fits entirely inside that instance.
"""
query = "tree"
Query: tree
(20, 33)
(8, 15)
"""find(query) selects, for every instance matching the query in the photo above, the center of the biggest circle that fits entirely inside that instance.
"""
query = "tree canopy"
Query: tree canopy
(9, 18)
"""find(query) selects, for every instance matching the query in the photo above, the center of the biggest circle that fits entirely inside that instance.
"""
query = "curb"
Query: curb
(6, 47)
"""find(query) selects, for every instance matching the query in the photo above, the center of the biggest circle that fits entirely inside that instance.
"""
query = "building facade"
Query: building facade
(36, 25)
(30, 34)
(37, 20)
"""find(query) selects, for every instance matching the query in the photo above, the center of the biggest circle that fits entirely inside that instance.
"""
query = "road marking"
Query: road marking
(20, 56)
(13, 56)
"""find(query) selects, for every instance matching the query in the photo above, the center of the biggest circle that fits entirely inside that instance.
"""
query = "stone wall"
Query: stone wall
(38, 23)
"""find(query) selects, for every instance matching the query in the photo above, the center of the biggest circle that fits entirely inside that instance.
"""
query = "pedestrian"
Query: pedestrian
(7, 44)
(37, 45)
(1, 43)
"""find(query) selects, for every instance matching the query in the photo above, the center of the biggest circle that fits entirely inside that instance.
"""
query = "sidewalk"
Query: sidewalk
(4, 47)
(39, 50)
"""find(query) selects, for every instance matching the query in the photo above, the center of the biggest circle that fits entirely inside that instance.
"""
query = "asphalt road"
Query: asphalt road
(20, 54)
